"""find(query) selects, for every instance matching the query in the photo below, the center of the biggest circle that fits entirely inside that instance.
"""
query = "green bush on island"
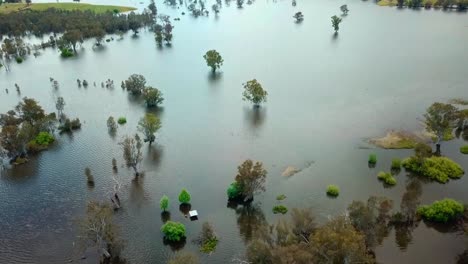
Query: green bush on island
(464, 149)
(441, 211)
(233, 191)
(122, 120)
(386, 178)
(173, 231)
(280, 209)
(41, 142)
(396, 164)
(333, 190)
(440, 169)
(373, 159)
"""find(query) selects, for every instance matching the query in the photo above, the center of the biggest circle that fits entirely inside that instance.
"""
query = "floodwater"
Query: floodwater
(327, 94)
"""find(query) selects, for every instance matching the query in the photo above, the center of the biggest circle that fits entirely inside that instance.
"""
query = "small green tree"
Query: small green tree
(213, 59)
(254, 92)
(336, 23)
(173, 231)
(439, 119)
(184, 196)
(153, 97)
(149, 125)
(164, 203)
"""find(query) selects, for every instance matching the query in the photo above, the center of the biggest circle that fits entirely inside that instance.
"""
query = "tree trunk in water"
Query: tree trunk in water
(437, 152)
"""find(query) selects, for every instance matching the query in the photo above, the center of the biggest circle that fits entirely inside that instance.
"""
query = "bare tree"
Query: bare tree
(132, 152)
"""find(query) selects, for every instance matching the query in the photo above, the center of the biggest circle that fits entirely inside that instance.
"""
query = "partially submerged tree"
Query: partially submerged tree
(149, 125)
(164, 203)
(344, 9)
(153, 97)
(111, 124)
(336, 23)
(299, 17)
(184, 196)
(251, 178)
(441, 118)
(60, 105)
(254, 92)
(213, 60)
(89, 177)
(98, 230)
(132, 152)
(135, 84)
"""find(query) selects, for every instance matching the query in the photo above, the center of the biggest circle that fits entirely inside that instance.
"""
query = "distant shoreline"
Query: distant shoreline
(7, 8)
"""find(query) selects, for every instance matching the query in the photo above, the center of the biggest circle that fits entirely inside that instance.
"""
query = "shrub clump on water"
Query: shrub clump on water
(386, 178)
(333, 190)
(441, 211)
(122, 120)
(66, 52)
(440, 169)
(280, 209)
(396, 164)
(41, 142)
(373, 159)
(173, 231)
(464, 149)
(280, 197)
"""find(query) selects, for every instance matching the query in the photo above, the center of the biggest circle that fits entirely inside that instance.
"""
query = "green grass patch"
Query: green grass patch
(16, 7)
(280, 197)
(464, 149)
(387, 178)
(122, 120)
(441, 211)
(372, 159)
(209, 245)
(280, 209)
(440, 169)
(333, 190)
(396, 164)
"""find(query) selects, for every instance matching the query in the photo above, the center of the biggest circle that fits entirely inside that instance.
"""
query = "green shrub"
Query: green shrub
(184, 196)
(19, 60)
(164, 203)
(441, 211)
(440, 169)
(44, 138)
(209, 245)
(396, 164)
(280, 197)
(233, 191)
(333, 190)
(373, 159)
(464, 149)
(173, 231)
(280, 209)
(122, 120)
(386, 178)
(66, 52)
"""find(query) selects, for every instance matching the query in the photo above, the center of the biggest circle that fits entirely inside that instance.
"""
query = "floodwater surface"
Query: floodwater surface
(327, 94)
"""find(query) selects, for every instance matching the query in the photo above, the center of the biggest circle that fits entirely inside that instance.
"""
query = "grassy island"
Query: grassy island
(16, 7)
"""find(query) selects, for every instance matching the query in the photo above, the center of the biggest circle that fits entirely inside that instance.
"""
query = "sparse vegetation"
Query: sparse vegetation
(280, 197)
(387, 178)
(396, 164)
(280, 209)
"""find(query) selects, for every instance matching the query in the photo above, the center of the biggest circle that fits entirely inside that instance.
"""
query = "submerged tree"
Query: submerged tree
(344, 9)
(89, 177)
(135, 84)
(111, 124)
(149, 125)
(440, 119)
(254, 92)
(251, 178)
(60, 105)
(299, 17)
(336, 23)
(213, 60)
(132, 152)
(164, 203)
(153, 96)
(98, 230)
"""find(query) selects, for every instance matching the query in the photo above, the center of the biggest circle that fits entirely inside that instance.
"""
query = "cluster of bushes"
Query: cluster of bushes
(333, 190)
(173, 231)
(387, 178)
(441, 211)
(41, 142)
(464, 149)
(460, 4)
(70, 125)
(440, 169)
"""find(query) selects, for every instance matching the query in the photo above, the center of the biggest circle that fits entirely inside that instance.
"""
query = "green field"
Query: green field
(8, 8)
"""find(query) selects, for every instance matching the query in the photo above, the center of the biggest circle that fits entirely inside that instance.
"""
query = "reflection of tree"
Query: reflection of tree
(255, 117)
(406, 223)
(250, 219)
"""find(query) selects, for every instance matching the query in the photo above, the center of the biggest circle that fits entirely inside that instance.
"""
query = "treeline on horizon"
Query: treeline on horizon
(54, 20)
